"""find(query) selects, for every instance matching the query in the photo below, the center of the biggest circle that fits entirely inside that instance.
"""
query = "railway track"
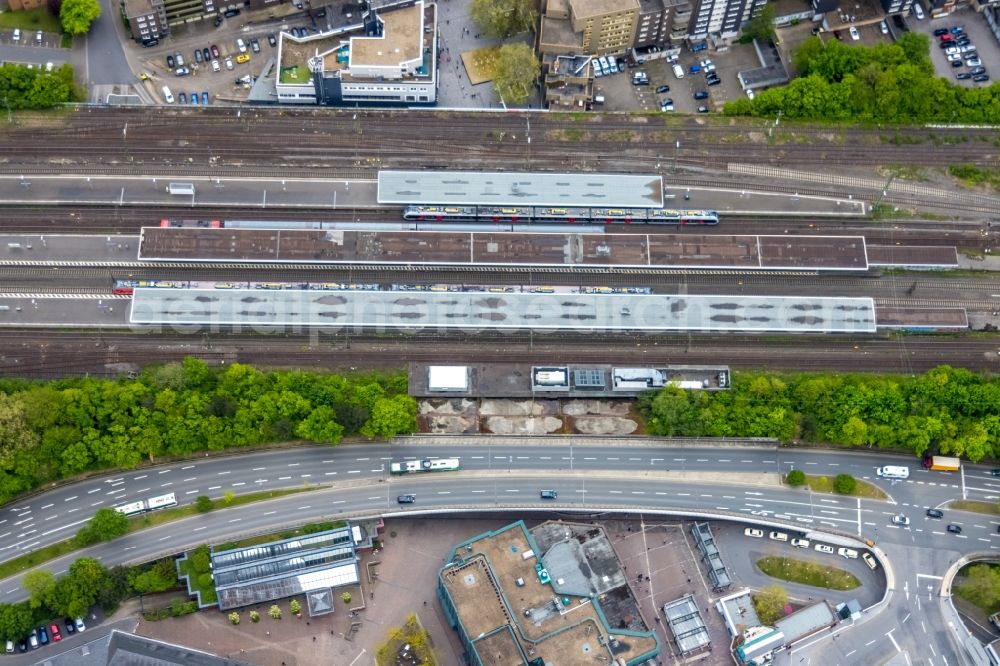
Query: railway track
(48, 354)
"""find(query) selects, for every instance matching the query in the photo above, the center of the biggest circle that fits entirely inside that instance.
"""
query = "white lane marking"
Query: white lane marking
(136, 478)
(214, 487)
(164, 471)
(48, 506)
(258, 469)
(223, 473)
(241, 483)
(70, 499)
(91, 492)
(188, 467)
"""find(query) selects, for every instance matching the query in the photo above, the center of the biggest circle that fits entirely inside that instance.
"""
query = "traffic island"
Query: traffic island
(808, 573)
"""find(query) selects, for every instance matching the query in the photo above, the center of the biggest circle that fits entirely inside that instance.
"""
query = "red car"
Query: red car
(54, 630)
(215, 51)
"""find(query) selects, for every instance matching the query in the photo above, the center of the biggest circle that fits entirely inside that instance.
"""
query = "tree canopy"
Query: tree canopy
(886, 83)
(50, 430)
(76, 16)
(946, 410)
(760, 26)
(515, 71)
(769, 602)
(105, 525)
(503, 18)
(24, 88)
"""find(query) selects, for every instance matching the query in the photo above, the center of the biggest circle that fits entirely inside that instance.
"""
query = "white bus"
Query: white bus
(152, 504)
(414, 466)
(132, 508)
(161, 502)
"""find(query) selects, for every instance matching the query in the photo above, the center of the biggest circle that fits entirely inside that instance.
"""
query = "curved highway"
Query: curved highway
(637, 475)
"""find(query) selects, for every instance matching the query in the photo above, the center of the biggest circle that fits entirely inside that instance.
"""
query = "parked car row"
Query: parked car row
(775, 535)
(46, 634)
(606, 65)
(961, 52)
(213, 55)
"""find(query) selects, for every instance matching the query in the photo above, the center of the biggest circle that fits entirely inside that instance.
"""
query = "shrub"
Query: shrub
(254, 616)
(228, 497)
(295, 607)
(234, 617)
(205, 580)
(844, 484)
(204, 503)
(200, 559)
(179, 607)
(346, 596)
(274, 612)
(795, 478)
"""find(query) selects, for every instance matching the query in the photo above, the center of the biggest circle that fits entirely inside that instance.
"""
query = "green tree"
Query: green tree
(770, 602)
(796, 477)
(515, 73)
(275, 612)
(254, 616)
(346, 597)
(228, 497)
(105, 525)
(15, 434)
(321, 426)
(391, 416)
(844, 484)
(760, 26)
(234, 617)
(295, 607)
(76, 16)
(39, 584)
(204, 503)
(981, 586)
(503, 18)
(16, 621)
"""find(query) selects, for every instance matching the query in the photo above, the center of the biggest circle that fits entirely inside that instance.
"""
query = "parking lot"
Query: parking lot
(621, 95)
(202, 76)
(980, 36)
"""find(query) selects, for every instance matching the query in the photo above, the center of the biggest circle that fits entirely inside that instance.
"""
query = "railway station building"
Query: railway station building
(387, 55)
(556, 594)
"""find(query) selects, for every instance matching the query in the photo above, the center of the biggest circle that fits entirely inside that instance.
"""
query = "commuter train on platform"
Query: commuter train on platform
(551, 215)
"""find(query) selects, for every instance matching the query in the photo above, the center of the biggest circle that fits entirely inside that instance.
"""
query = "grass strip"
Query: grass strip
(824, 484)
(61, 548)
(989, 508)
(808, 573)
(208, 595)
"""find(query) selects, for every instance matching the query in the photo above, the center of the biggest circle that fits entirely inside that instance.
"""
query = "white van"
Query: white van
(678, 71)
(893, 472)
(168, 96)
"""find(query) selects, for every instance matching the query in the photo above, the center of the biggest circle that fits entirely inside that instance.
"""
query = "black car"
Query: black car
(406, 499)
(230, 13)
(147, 43)
(22, 646)
(70, 625)
(666, 100)
(701, 94)
(197, 55)
(980, 78)
(662, 89)
(935, 513)
(955, 529)
(254, 45)
(320, 13)
(218, 21)
(963, 41)
(963, 76)
(170, 61)
(940, 31)
(956, 63)
(977, 70)
(714, 82)
(272, 40)
(548, 494)
(206, 54)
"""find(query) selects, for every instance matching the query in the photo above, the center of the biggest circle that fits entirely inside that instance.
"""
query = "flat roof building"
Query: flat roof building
(686, 624)
(478, 188)
(279, 569)
(448, 378)
(386, 55)
(402, 310)
(559, 598)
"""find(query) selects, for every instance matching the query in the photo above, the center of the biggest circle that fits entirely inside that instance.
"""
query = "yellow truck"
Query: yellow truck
(942, 463)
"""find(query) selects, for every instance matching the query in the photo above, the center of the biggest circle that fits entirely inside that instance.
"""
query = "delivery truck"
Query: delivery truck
(942, 463)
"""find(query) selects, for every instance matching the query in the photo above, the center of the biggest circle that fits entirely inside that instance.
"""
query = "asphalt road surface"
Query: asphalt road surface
(632, 477)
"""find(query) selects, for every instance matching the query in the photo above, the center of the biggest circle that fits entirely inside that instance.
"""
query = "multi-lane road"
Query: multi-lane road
(637, 475)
